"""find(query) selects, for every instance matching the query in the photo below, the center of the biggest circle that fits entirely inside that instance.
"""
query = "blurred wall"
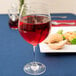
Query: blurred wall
(5, 5)
(55, 6)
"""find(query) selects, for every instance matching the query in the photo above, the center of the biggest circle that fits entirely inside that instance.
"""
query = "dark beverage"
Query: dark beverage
(34, 29)
(13, 24)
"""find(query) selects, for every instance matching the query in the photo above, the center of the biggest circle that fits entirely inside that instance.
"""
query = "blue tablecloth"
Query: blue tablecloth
(15, 53)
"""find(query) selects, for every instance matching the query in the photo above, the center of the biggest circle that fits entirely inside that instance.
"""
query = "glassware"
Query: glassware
(13, 17)
(34, 26)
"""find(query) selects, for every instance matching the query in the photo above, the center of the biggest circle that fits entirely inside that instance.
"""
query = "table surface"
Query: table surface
(15, 53)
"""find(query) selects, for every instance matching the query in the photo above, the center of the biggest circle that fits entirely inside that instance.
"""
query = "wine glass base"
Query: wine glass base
(35, 68)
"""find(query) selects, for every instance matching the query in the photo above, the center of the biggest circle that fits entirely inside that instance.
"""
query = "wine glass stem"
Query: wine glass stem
(34, 66)
(34, 48)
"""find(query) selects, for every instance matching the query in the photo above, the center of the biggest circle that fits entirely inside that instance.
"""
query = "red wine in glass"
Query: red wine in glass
(13, 24)
(34, 28)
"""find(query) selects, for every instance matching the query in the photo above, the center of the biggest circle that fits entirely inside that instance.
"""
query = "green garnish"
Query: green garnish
(60, 32)
(73, 41)
(64, 38)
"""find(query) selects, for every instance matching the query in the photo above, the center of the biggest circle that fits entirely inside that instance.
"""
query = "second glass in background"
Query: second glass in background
(13, 17)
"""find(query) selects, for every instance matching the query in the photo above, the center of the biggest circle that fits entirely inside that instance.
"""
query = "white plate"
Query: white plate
(67, 48)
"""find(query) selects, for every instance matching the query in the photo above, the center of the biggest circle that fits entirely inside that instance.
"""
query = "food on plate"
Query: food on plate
(58, 45)
(71, 37)
(68, 43)
(55, 41)
(54, 38)
(58, 40)
(73, 41)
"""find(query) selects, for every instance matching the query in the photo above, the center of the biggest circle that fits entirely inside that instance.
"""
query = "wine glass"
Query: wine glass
(13, 16)
(34, 26)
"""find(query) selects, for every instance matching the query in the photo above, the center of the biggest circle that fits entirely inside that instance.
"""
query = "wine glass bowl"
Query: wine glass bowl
(34, 26)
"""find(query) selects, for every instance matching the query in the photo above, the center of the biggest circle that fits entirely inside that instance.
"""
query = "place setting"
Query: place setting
(37, 26)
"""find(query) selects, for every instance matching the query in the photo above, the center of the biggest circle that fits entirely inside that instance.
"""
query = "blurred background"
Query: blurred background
(55, 6)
